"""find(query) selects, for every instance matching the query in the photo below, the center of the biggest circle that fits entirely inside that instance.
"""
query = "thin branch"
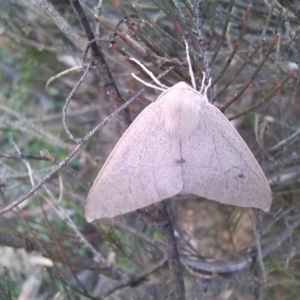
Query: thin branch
(60, 74)
(70, 155)
(50, 157)
(47, 156)
(77, 148)
(142, 274)
(158, 215)
(228, 267)
(22, 156)
(255, 73)
(68, 99)
(81, 43)
(264, 99)
(101, 65)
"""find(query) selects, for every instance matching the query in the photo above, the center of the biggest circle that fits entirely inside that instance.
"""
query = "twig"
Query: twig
(158, 215)
(65, 72)
(24, 125)
(285, 141)
(138, 277)
(62, 24)
(173, 255)
(227, 267)
(47, 156)
(98, 25)
(69, 99)
(133, 231)
(259, 268)
(65, 216)
(101, 65)
(255, 73)
(77, 148)
(237, 44)
(97, 54)
(88, 46)
(22, 156)
(221, 39)
(70, 155)
(50, 157)
(77, 261)
(246, 62)
(264, 99)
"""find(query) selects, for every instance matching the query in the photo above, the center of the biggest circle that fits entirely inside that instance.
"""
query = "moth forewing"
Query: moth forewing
(178, 144)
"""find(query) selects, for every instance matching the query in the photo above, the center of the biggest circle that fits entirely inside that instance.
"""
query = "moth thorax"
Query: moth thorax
(181, 117)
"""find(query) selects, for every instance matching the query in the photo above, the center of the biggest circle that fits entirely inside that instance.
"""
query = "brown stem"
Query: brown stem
(158, 215)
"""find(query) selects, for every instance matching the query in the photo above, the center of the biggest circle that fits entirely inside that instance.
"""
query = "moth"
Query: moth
(180, 144)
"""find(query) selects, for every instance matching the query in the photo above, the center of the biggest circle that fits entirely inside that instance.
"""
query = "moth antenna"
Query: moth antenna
(147, 83)
(208, 85)
(202, 83)
(190, 64)
(150, 74)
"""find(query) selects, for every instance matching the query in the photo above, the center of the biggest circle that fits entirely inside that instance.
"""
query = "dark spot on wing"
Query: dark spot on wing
(241, 175)
(180, 161)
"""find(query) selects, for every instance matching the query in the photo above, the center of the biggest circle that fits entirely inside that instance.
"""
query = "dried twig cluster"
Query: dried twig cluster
(252, 55)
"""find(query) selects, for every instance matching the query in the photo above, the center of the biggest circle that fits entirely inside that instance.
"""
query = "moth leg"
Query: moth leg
(147, 83)
(160, 86)
(204, 88)
(208, 85)
(190, 65)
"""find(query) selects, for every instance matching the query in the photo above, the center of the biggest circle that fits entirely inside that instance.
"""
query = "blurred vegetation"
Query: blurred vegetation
(48, 249)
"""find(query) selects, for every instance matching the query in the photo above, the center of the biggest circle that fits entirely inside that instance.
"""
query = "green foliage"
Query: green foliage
(8, 290)
(31, 52)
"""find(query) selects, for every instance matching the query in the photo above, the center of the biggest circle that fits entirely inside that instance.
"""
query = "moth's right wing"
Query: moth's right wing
(140, 170)
(219, 165)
